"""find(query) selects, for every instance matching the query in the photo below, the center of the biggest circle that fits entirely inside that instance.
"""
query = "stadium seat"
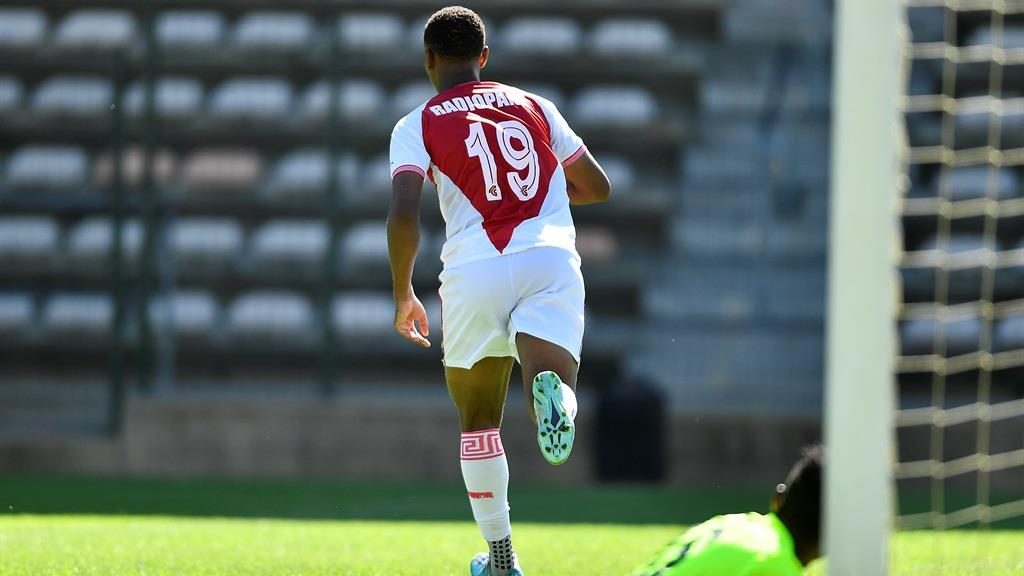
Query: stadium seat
(1012, 37)
(81, 319)
(11, 92)
(79, 96)
(547, 91)
(47, 167)
(205, 246)
(973, 129)
(633, 37)
(596, 245)
(95, 29)
(177, 98)
(219, 170)
(133, 161)
(409, 96)
(365, 246)
(289, 247)
(540, 35)
(1008, 333)
(17, 311)
(302, 175)
(358, 100)
(250, 99)
(89, 243)
(960, 335)
(620, 171)
(272, 319)
(969, 182)
(27, 243)
(22, 28)
(376, 177)
(364, 314)
(193, 316)
(371, 32)
(615, 106)
(274, 31)
(189, 29)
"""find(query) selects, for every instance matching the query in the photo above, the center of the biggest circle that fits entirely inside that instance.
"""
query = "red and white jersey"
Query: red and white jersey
(495, 154)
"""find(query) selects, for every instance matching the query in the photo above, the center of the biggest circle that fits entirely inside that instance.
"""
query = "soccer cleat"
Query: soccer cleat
(555, 427)
(480, 566)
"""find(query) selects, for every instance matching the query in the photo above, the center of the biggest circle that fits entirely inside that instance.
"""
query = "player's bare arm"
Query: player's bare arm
(587, 182)
(403, 244)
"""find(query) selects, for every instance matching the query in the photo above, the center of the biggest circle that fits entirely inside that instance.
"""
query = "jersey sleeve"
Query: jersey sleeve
(568, 147)
(408, 152)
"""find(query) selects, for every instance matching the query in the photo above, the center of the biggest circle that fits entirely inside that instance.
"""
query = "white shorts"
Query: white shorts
(485, 304)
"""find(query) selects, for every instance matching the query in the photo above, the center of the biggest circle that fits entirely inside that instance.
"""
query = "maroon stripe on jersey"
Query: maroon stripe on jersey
(515, 194)
(408, 168)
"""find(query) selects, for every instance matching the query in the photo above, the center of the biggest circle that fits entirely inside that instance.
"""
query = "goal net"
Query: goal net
(959, 416)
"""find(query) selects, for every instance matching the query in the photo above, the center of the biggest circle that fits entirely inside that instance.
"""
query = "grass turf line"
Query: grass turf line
(165, 546)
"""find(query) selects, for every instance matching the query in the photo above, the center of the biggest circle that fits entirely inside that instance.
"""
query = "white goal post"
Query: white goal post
(867, 145)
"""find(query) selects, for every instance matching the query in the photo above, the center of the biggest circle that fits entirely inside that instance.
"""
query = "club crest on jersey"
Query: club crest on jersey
(471, 103)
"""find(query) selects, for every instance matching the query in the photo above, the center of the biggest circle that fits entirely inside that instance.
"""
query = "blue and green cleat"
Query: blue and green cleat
(555, 427)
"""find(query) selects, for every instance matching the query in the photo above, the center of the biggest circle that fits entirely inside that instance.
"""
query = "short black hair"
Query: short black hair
(800, 509)
(455, 32)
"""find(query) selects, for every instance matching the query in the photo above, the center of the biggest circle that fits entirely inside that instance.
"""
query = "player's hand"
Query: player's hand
(411, 321)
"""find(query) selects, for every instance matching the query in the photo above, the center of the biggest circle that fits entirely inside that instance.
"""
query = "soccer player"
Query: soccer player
(777, 544)
(506, 166)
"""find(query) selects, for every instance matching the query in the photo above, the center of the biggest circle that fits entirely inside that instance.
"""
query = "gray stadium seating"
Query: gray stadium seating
(22, 28)
(192, 316)
(17, 311)
(376, 178)
(89, 243)
(968, 182)
(540, 35)
(221, 171)
(165, 167)
(596, 245)
(81, 319)
(615, 106)
(189, 29)
(1012, 37)
(11, 92)
(81, 96)
(28, 243)
(960, 335)
(409, 96)
(972, 129)
(365, 246)
(620, 171)
(205, 245)
(289, 247)
(381, 32)
(358, 100)
(274, 31)
(95, 28)
(302, 175)
(249, 99)
(271, 319)
(47, 167)
(634, 37)
(1008, 333)
(364, 314)
(927, 24)
(547, 91)
(177, 98)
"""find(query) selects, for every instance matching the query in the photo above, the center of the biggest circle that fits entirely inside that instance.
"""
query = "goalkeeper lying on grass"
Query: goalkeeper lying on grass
(780, 543)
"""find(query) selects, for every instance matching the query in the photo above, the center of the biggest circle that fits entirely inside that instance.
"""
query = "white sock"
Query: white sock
(569, 401)
(485, 471)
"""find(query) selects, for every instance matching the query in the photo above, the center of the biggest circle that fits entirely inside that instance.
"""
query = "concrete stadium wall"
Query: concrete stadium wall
(366, 438)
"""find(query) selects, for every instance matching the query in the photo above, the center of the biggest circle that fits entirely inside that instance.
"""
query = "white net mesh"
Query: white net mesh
(960, 419)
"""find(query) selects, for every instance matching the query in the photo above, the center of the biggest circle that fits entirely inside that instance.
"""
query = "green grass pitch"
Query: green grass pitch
(66, 527)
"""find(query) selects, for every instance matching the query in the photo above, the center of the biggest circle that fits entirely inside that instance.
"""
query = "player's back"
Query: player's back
(495, 154)
(731, 545)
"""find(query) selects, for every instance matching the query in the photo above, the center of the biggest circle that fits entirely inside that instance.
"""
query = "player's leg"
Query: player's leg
(476, 301)
(547, 324)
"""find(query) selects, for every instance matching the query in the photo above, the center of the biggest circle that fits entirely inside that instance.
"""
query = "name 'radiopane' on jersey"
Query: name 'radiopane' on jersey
(470, 103)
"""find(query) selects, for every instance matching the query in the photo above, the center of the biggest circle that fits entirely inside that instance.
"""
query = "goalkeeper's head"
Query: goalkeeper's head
(797, 503)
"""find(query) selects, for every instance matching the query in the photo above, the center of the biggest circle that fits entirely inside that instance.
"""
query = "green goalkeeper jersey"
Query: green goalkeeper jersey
(732, 545)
